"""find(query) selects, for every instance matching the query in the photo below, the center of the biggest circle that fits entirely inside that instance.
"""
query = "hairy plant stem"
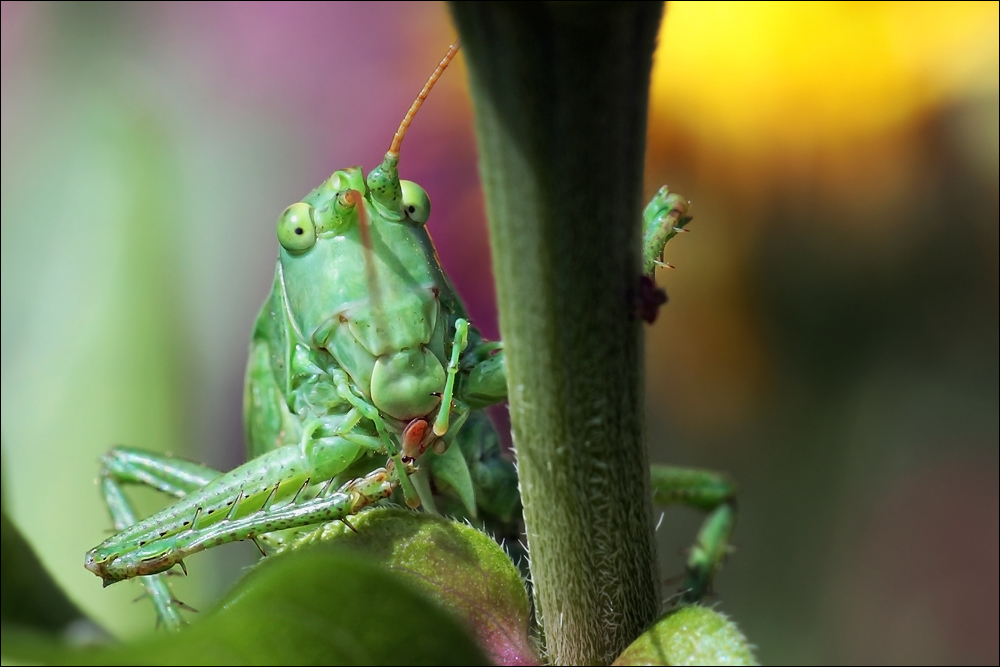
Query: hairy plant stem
(560, 94)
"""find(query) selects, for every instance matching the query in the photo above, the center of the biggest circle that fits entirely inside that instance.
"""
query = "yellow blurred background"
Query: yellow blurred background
(831, 338)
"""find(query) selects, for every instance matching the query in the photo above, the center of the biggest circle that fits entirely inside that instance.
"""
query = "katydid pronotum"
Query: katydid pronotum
(362, 351)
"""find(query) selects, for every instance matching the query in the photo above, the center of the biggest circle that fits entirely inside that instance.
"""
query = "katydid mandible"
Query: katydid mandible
(362, 350)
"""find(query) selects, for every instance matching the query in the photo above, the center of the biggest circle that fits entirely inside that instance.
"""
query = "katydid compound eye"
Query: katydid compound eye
(416, 203)
(296, 230)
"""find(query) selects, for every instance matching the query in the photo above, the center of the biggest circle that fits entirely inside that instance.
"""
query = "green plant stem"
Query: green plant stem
(560, 94)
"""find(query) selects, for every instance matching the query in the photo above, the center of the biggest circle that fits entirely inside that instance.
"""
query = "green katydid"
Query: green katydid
(362, 350)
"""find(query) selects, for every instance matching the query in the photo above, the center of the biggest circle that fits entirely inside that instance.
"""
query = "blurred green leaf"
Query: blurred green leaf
(310, 608)
(28, 595)
(457, 566)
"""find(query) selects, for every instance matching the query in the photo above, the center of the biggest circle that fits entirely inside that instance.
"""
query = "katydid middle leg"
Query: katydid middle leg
(710, 492)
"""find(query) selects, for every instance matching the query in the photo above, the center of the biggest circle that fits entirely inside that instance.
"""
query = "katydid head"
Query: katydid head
(364, 288)
(361, 281)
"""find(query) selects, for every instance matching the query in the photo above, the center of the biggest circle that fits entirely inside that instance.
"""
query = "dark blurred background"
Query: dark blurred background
(831, 338)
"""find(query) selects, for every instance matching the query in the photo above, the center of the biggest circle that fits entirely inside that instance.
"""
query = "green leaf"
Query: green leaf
(457, 566)
(452, 469)
(29, 597)
(308, 608)
(690, 636)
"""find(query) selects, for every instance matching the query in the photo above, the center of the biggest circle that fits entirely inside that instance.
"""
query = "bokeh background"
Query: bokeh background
(831, 338)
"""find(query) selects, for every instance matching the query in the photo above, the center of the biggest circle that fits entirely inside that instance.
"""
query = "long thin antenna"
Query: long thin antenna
(397, 138)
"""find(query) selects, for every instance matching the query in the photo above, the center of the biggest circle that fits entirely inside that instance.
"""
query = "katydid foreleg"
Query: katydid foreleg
(458, 346)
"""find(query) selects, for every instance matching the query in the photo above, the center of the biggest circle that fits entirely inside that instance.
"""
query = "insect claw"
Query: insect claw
(348, 524)
(183, 567)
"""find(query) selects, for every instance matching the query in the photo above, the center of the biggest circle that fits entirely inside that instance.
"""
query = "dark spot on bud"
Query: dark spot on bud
(299, 231)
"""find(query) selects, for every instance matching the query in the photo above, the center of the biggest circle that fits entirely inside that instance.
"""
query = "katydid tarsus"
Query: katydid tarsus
(361, 352)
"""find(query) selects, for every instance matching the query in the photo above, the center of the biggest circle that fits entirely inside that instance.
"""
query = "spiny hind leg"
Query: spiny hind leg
(710, 492)
(234, 506)
(177, 477)
(327, 506)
